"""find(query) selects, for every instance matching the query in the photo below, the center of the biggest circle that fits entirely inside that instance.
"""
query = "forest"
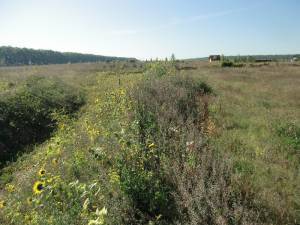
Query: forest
(11, 56)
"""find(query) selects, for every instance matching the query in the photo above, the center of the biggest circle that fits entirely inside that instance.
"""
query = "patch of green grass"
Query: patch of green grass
(290, 134)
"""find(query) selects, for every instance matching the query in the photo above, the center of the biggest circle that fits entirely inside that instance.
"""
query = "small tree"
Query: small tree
(173, 59)
(173, 64)
(223, 58)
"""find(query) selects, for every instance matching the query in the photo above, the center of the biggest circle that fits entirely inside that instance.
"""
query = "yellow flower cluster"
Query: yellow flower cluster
(44, 179)
(91, 130)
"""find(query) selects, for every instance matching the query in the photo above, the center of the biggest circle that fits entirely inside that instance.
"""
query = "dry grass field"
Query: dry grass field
(257, 118)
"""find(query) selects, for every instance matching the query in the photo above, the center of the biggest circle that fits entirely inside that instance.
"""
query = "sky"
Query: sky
(147, 29)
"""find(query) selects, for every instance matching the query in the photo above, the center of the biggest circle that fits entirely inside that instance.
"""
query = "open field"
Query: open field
(149, 149)
(257, 116)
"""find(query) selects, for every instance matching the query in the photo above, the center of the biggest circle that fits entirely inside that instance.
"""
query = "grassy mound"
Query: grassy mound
(27, 114)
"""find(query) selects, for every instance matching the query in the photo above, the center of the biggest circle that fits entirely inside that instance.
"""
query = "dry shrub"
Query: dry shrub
(165, 110)
(172, 112)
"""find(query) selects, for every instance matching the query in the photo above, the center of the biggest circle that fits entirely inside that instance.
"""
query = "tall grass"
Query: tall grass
(196, 180)
(160, 148)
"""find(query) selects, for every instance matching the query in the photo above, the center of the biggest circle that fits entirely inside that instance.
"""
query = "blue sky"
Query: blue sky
(153, 28)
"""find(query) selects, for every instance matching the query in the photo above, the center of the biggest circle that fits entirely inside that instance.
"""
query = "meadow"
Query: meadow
(178, 142)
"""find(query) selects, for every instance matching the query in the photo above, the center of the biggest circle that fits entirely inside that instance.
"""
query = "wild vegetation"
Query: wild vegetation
(28, 112)
(154, 143)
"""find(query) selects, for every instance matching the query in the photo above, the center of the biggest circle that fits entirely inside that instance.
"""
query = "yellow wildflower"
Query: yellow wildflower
(42, 172)
(29, 201)
(38, 187)
(2, 204)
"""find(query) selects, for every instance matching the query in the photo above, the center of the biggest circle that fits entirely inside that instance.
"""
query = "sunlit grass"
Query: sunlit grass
(74, 177)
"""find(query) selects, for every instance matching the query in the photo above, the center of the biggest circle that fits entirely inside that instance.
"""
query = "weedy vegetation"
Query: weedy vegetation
(28, 112)
(149, 143)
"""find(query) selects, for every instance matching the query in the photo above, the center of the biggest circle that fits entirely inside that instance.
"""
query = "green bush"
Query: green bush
(26, 115)
(231, 64)
(227, 64)
(161, 68)
(158, 69)
(149, 192)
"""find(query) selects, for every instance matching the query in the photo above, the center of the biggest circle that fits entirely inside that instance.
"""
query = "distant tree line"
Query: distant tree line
(253, 58)
(10, 56)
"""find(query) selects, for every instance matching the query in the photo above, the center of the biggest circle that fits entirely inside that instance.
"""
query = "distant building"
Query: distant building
(214, 58)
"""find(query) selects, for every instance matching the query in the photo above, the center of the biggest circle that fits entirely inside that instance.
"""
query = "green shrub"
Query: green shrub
(227, 64)
(231, 64)
(26, 114)
(149, 192)
(157, 69)
(160, 68)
